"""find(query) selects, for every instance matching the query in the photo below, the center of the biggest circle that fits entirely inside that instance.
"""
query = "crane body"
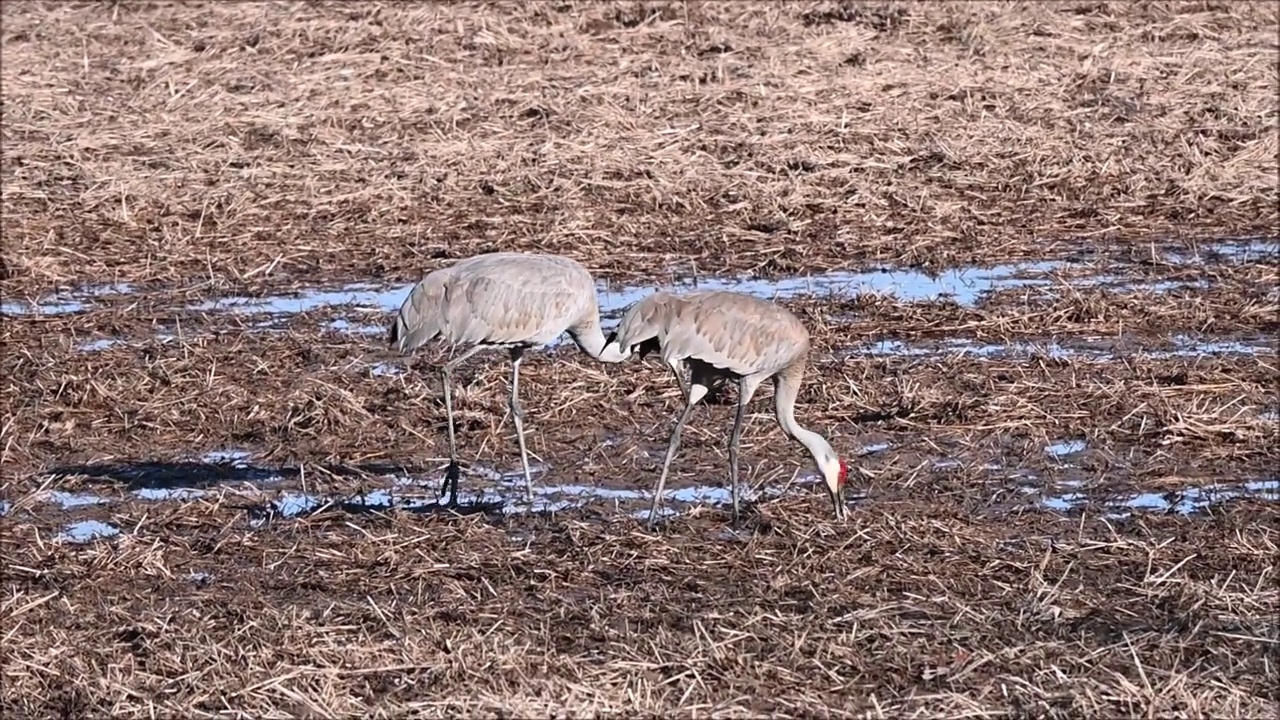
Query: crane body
(516, 301)
(723, 334)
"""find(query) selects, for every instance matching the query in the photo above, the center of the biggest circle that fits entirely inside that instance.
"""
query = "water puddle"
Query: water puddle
(100, 344)
(504, 494)
(65, 302)
(483, 489)
(1236, 252)
(71, 501)
(1065, 449)
(342, 325)
(1187, 501)
(1094, 349)
(182, 480)
(362, 309)
(386, 369)
(87, 531)
(965, 286)
(172, 494)
(234, 458)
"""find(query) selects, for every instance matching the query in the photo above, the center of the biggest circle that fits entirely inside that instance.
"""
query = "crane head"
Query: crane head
(642, 348)
(836, 473)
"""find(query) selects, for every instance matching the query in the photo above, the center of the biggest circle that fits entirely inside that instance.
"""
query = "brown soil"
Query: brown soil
(193, 148)
(911, 609)
(250, 143)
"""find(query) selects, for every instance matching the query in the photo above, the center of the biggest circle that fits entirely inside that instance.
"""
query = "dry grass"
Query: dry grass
(251, 142)
(307, 395)
(196, 147)
(915, 611)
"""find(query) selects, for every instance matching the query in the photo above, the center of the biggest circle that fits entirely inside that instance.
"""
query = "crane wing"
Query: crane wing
(506, 308)
(744, 336)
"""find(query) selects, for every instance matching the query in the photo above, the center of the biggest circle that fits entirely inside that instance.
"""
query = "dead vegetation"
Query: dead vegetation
(917, 610)
(254, 142)
(192, 149)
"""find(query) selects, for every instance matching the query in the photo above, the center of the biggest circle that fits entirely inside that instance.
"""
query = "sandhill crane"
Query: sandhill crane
(721, 334)
(513, 300)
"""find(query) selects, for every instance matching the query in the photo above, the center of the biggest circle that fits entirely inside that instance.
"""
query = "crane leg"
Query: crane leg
(696, 393)
(517, 415)
(734, 440)
(747, 387)
(677, 369)
(446, 378)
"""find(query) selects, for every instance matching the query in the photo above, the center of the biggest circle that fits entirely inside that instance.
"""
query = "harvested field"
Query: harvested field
(1035, 244)
(234, 143)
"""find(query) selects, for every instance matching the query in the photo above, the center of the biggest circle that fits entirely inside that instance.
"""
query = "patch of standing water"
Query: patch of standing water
(1095, 349)
(87, 531)
(1245, 251)
(383, 369)
(343, 325)
(64, 302)
(872, 448)
(965, 285)
(505, 494)
(70, 501)
(234, 458)
(1066, 448)
(99, 344)
(175, 494)
(1063, 503)
(1186, 501)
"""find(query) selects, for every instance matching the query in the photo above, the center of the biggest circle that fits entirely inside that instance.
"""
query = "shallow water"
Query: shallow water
(484, 489)
(86, 531)
(1241, 251)
(69, 501)
(1184, 501)
(65, 302)
(1096, 349)
(1066, 448)
(965, 285)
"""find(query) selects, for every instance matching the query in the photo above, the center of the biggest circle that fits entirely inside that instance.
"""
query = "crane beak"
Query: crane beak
(837, 499)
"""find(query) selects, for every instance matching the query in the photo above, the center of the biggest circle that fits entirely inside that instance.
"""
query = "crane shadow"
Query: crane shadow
(299, 506)
(188, 480)
(190, 474)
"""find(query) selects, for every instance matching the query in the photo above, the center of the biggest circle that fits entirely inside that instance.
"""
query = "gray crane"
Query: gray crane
(516, 301)
(726, 335)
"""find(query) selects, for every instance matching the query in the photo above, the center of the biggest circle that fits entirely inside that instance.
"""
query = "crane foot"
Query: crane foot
(450, 483)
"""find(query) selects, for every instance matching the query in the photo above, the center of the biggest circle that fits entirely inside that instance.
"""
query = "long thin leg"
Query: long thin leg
(696, 393)
(446, 378)
(676, 369)
(734, 439)
(747, 387)
(517, 414)
(666, 464)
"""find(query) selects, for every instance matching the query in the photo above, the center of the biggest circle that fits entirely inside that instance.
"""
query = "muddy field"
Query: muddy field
(1036, 246)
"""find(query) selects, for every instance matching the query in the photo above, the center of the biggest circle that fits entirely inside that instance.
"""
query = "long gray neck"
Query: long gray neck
(785, 391)
(590, 339)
